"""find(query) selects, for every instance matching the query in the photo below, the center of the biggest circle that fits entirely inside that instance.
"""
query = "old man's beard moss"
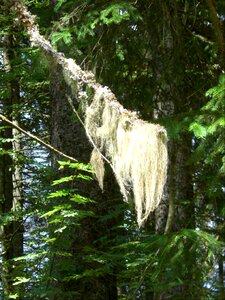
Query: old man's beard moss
(137, 152)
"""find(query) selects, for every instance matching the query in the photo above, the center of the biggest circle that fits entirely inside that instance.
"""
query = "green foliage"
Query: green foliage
(54, 223)
(79, 166)
(64, 35)
(212, 119)
(127, 44)
(199, 130)
(210, 126)
(117, 12)
(150, 259)
(114, 13)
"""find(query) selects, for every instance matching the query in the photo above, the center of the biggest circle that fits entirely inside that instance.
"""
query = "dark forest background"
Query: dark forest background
(61, 237)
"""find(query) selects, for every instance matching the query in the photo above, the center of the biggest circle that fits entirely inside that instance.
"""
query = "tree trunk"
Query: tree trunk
(68, 135)
(69, 82)
(175, 211)
(10, 181)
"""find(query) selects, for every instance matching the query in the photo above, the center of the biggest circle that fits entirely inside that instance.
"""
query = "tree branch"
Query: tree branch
(98, 102)
(37, 139)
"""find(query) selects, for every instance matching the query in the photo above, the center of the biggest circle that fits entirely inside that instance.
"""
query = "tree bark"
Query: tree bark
(175, 211)
(11, 181)
(218, 31)
(68, 135)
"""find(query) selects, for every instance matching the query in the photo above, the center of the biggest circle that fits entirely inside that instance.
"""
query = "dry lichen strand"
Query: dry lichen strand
(136, 149)
(141, 160)
(98, 165)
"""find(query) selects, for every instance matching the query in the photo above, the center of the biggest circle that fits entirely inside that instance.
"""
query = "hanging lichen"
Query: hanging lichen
(136, 149)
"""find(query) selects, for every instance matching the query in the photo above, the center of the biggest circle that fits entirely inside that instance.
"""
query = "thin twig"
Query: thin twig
(88, 135)
(37, 139)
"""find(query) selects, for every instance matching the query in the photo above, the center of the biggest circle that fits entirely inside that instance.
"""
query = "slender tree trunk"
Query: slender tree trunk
(218, 31)
(221, 276)
(6, 205)
(176, 209)
(10, 181)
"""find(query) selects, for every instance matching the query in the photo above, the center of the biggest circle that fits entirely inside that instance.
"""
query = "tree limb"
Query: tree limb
(37, 139)
(110, 127)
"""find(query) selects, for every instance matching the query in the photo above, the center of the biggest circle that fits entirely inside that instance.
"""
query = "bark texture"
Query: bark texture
(175, 211)
(68, 135)
(11, 232)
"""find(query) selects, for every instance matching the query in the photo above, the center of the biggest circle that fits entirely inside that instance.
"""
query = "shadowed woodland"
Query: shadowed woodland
(112, 158)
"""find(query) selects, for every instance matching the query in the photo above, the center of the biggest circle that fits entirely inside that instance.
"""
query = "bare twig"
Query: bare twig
(37, 139)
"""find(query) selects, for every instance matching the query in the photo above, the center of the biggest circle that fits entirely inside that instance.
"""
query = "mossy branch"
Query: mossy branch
(135, 149)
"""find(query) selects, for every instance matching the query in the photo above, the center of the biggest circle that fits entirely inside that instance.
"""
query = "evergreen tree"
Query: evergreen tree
(165, 61)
